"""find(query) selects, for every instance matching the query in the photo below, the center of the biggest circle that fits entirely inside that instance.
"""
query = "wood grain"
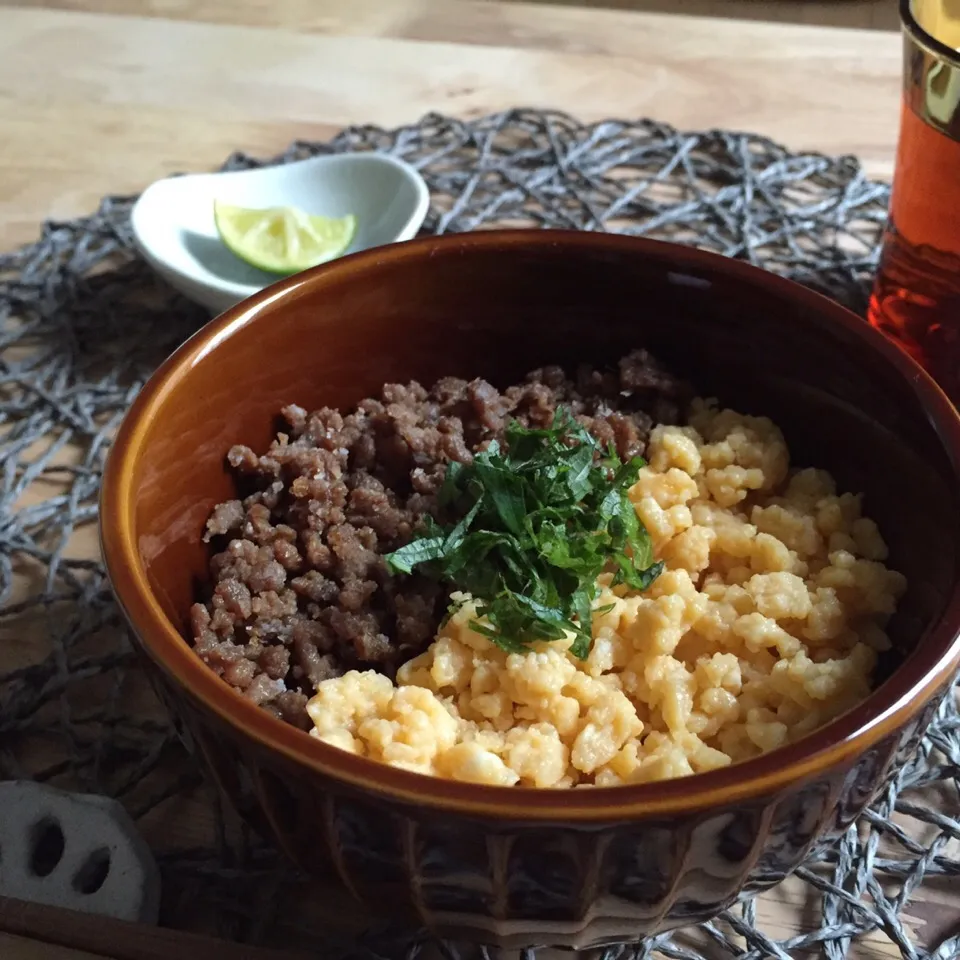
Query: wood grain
(863, 14)
(868, 14)
(30, 931)
(180, 85)
(23, 948)
(104, 96)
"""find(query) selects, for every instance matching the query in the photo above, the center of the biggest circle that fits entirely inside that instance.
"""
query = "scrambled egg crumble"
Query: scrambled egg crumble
(765, 624)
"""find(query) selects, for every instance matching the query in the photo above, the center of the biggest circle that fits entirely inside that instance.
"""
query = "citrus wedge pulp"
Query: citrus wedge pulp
(282, 240)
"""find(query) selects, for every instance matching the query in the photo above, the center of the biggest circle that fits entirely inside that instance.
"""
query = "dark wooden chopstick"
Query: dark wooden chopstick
(118, 940)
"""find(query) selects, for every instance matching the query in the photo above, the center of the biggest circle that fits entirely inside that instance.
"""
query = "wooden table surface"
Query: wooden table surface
(104, 96)
(867, 14)
(100, 96)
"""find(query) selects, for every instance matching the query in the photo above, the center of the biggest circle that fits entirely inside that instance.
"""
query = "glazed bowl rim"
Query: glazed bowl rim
(887, 709)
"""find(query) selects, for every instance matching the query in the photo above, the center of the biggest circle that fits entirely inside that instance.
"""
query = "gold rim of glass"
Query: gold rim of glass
(922, 38)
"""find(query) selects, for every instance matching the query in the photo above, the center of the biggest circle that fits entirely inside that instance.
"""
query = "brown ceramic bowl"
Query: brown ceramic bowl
(513, 866)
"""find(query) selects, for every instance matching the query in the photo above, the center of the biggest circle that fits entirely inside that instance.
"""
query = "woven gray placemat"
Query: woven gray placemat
(83, 322)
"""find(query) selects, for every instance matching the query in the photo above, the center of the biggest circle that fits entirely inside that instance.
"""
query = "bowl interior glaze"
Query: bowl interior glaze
(496, 305)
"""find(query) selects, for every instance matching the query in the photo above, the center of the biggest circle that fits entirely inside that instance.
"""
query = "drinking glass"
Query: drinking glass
(916, 297)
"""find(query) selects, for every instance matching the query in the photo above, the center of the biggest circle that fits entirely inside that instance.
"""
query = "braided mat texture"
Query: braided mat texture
(83, 322)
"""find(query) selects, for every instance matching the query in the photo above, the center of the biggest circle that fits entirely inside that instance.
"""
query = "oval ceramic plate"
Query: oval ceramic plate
(174, 230)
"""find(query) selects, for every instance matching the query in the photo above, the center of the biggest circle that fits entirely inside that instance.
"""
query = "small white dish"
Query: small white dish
(174, 230)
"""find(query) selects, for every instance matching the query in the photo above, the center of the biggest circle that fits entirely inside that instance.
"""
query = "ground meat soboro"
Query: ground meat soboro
(300, 592)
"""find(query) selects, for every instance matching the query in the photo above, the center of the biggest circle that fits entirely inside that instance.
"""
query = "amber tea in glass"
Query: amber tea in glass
(916, 298)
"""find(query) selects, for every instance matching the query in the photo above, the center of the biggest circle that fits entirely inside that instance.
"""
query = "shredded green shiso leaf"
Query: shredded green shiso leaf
(540, 520)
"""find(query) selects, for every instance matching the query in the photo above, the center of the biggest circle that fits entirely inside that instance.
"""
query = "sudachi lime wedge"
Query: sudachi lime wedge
(282, 239)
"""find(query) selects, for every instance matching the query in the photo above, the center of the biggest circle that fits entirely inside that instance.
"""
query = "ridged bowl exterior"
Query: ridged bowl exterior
(516, 868)
(515, 884)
